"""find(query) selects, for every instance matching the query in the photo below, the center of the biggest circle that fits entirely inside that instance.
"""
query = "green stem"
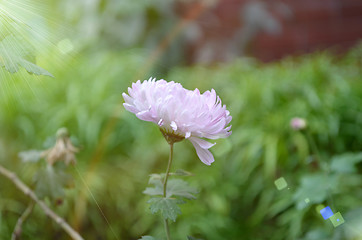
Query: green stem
(165, 187)
(323, 163)
(165, 221)
(168, 170)
(313, 144)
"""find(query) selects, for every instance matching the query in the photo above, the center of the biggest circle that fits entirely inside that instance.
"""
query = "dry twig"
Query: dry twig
(27, 191)
(18, 228)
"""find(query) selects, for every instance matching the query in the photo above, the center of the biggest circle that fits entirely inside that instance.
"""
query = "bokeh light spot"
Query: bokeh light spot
(326, 212)
(65, 46)
(337, 219)
(280, 183)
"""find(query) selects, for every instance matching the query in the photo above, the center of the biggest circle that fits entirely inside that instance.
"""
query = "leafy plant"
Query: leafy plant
(16, 47)
(239, 198)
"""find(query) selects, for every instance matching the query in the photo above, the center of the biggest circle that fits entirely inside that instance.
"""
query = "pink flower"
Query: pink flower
(180, 113)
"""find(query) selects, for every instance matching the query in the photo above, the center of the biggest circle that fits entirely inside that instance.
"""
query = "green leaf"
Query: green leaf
(317, 234)
(193, 238)
(16, 52)
(155, 178)
(345, 163)
(180, 188)
(175, 187)
(33, 69)
(30, 155)
(51, 183)
(314, 187)
(147, 238)
(157, 190)
(270, 160)
(167, 206)
(181, 172)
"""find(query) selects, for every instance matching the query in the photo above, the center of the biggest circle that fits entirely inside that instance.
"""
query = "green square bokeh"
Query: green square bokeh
(280, 183)
(337, 219)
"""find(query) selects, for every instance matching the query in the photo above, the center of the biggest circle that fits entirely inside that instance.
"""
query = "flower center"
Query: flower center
(171, 137)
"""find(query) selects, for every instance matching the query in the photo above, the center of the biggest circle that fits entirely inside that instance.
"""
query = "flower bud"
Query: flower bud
(63, 149)
(298, 123)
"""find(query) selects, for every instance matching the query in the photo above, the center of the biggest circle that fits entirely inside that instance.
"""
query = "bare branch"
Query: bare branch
(27, 191)
(18, 228)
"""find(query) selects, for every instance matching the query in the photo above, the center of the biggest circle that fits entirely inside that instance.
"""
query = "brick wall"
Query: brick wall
(308, 26)
(315, 25)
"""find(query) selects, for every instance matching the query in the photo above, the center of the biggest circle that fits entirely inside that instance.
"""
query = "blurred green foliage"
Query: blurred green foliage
(18, 33)
(237, 198)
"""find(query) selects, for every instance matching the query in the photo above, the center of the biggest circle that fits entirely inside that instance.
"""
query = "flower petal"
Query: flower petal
(187, 134)
(160, 123)
(202, 143)
(145, 116)
(130, 108)
(173, 126)
(127, 98)
(201, 147)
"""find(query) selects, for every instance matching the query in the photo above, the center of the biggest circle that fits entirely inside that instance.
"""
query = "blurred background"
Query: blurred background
(269, 61)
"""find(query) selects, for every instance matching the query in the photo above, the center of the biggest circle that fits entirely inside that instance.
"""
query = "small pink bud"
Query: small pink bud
(298, 123)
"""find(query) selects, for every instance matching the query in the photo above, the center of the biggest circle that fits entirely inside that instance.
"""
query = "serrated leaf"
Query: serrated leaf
(34, 69)
(345, 163)
(157, 190)
(175, 187)
(30, 155)
(16, 52)
(180, 188)
(155, 178)
(51, 183)
(167, 206)
(181, 172)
